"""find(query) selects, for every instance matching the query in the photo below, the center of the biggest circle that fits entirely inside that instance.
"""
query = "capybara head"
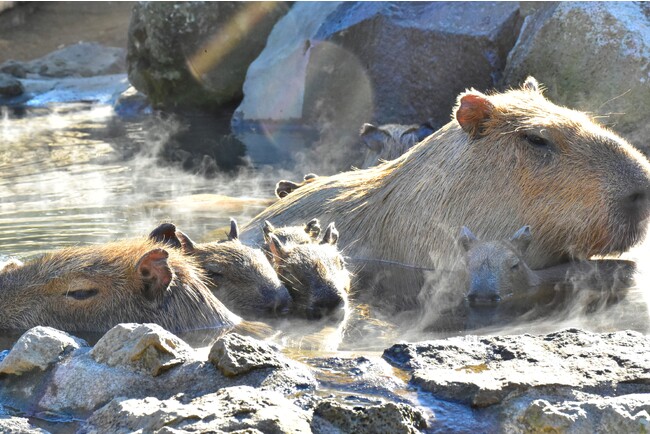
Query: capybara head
(314, 272)
(497, 270)
(584, 189)
(308, 233)
(93, 288)
(387, 142)
(284, 187)
(239, 276)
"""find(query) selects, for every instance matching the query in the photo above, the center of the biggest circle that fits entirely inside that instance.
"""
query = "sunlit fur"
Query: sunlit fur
(40, 291)
(410, 209)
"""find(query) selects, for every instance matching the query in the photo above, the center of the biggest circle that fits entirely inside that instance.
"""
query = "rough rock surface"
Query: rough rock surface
(593, 57)
(39, 348)
(335, 66)
(196, 53)
(9, 86)
(484, 371)
(85, 59)
(240, 409)
(144, 347)
(234, 355)
(387, 417)
(18, 425)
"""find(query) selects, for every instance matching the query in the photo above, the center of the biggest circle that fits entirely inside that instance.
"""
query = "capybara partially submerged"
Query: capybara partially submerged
(238, 275)
(313, 271)
(387, 142)
(93, 288)
(498, 272)
(506, 160)
(284, 187)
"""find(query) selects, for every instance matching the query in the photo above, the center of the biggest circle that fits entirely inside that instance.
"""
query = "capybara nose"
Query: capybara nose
(636, 204)
(281, 301)
(477, 298)
(326, 306)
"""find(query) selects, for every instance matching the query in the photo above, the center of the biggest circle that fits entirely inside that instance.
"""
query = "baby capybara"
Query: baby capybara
(387, 142)
(93, 288)
(504, 161)
(240, 276)
(284, 187)
(314, 271)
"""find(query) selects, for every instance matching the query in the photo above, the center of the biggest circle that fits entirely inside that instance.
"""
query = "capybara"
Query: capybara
(387, 142)
(284, 187)
(498, 272)
(238, 275)
(314, 271)
(93, 288)
(308, 233)
(505, 160)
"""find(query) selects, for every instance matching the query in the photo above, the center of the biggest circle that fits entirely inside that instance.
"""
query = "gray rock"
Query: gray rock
(593, 57)
(143, 347)
(9, 86)
(103, 89)
(85, 59)
(18, 425)
(196, 53)
(39, 348)
(387, 417)
(12, 67)
(232, 409)
(234, 355)
(580, 413)
(485, 371)
(339, 65)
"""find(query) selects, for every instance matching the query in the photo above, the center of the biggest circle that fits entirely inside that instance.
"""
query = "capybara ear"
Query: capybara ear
(331, 235)
(278, 250)
(313, 228)
(473, 110)
(310, 177)
(522, 238)
(284, 187)
(373, 137)
(234, 230)
(423, 131)
(466, 238)
(531, 85)
(186, 242)
(155, 273)
(165, 233)
(267, 228)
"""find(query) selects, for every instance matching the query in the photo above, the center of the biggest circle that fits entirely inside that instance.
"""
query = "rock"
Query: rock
(342, 64)
(234, 355)
(143, 347)
(18, 425)
(387, 417)
(195, 54)
(103, 89)
(132, 103)
(584, 414)
(9, 86)
(228, 410)
(39, 348)
(484, 371)
(593, 57)
(85, 59)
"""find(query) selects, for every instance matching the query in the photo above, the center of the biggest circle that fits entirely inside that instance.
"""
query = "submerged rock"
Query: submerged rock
(9, 86)
(195, 54)
(387, 417)
(240, 409)
(484, 371)
(39, 348)
(592, 57)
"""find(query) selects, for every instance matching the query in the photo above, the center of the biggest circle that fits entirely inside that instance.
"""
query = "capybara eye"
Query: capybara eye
(214, 274)
(537, 141)
(82, 294)
(515, 266)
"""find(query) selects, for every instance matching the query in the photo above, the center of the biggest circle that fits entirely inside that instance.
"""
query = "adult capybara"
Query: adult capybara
(505, 160)
(313, 270)
(93, 288)
(498, 272)
(239, 276)
(387, 142)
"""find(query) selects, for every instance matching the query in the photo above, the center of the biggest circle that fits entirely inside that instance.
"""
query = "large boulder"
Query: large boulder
(196, 53)
(334, 66)
(593, 57)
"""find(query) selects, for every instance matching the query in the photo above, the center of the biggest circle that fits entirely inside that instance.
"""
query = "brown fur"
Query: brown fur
(409, 209)
(93, 288)
(285, 187)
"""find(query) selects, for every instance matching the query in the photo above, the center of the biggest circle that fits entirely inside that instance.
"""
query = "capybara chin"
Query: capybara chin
(93, 288)
(505, 160)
